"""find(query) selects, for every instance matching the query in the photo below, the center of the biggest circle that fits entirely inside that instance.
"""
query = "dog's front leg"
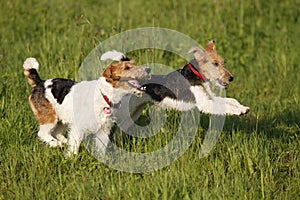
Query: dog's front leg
(74, 140)
(208, 103)
(216, 106)
(102, 144)
(102, 141)
(222, 106)
(228, 106)
(235, 108)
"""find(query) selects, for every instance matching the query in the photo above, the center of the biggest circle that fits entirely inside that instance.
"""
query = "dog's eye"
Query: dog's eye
(217, 64)
(127, 68)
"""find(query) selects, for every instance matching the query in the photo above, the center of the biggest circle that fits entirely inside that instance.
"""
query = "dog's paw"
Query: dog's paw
(72, 151)
(244, 110)
(69, 154)
(62, 140)
(56, 143)
(235, 108)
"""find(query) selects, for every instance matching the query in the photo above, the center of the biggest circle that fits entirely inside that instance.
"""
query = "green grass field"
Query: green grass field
(257, 155)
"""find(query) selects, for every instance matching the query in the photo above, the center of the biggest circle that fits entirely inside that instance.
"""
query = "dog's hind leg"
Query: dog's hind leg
(58, 133)
(45, 134)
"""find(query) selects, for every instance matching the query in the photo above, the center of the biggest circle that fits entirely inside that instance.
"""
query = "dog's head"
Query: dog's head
(212, 64)
(124, 75)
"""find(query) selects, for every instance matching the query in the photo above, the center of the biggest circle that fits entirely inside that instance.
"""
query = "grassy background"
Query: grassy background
(257, 156)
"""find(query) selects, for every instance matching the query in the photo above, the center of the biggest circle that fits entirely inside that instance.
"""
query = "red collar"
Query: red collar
(113, 105)
(107, 100)
(197, 73)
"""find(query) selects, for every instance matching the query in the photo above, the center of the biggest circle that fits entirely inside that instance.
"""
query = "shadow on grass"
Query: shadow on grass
(284, 125)
(280, 125)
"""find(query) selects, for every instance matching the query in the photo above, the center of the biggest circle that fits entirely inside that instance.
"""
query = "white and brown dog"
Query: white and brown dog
(82, 108)
(187, 88)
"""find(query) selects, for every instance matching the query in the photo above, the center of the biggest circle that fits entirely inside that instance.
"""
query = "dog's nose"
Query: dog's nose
(148, 69)
(230, 78)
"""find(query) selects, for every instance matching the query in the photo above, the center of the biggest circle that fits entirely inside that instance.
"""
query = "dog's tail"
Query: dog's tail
(30, 67)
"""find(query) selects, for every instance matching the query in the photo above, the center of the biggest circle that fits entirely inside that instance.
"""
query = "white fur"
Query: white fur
(31, 63)
(112, 55)
(82, 113)
(48, 138)
(207, 102)
(175, 104)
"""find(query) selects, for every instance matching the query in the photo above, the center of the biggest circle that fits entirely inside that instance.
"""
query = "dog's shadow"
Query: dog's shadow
(282, 126)
(166, 130)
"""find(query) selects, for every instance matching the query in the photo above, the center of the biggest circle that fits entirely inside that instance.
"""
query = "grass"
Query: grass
(257, 155)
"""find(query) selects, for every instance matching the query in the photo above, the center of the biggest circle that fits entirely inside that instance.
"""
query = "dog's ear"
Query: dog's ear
(199, 54)
(108, 73)
(114, 55)
(210, 46)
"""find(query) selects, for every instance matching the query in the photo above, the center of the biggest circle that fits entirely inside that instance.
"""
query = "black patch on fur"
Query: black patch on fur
(175, 85)
(33, 75)
(60, 88)
(192, 78)
(159, 92)
(125, 59)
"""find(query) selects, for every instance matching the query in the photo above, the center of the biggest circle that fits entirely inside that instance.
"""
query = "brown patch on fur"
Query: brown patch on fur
(124, 75)
(42, 108)
(219, 61)
(210, 46)
(114, 72)
(212, 64)
(32, 76)
(30, 80)
(212, 52)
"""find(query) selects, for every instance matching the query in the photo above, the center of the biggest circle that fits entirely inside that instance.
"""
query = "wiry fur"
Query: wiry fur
(183, 90)
(60, 104)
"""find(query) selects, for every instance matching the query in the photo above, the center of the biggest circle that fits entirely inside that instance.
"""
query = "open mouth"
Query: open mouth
(222, 84)
(134, 83)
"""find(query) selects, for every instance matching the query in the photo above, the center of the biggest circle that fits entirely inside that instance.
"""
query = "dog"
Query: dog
(81, 108)
(187, 88)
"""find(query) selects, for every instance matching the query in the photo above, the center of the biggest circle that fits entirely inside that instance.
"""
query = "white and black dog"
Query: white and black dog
(187, 88)
(81, 108)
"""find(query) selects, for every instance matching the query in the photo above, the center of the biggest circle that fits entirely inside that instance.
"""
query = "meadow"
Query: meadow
(257, 155)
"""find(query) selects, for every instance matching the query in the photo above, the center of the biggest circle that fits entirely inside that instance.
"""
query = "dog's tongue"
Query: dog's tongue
(135, 83)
